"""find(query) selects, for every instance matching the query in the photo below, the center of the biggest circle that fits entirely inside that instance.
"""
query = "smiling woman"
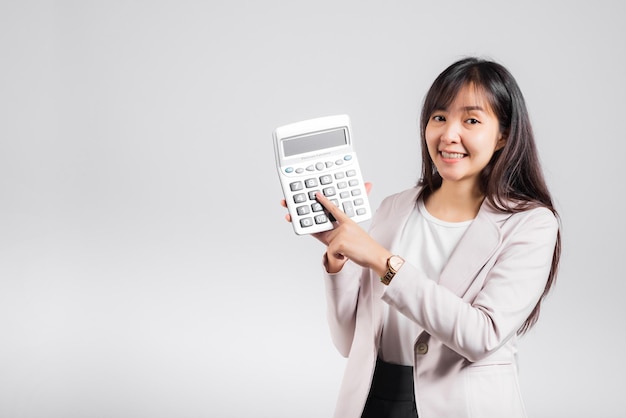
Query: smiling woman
(428, 304)
(461, 140)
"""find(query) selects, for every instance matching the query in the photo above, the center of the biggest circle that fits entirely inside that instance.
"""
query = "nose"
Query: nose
(450, 133)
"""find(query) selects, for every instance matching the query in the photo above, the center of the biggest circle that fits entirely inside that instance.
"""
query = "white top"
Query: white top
(428, 242)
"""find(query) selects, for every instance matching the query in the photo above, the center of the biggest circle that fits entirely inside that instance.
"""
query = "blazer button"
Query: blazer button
(421, 348)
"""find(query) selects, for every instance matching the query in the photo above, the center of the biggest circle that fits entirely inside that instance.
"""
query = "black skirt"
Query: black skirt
(392, 394)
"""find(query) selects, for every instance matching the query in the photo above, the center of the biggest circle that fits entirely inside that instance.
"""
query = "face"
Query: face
(462, 138)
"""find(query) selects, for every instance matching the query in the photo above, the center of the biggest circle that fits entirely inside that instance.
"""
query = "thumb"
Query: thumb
(334, 262)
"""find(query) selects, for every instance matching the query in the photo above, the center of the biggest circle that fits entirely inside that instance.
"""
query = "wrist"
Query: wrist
(380, 267)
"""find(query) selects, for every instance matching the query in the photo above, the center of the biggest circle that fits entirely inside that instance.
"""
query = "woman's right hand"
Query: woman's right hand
(321, 236)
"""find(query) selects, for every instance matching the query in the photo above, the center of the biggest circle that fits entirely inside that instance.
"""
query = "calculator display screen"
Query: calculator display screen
(318, 141)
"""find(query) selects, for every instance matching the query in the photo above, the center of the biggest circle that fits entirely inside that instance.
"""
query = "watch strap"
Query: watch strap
(391, 272)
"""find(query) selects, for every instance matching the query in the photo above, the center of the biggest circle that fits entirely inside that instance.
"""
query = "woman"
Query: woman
(429, 304)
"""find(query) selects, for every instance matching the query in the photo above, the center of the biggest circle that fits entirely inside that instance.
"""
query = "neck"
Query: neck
(455, 202)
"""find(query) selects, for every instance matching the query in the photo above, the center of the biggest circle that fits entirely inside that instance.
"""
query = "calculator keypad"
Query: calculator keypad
(341, 187)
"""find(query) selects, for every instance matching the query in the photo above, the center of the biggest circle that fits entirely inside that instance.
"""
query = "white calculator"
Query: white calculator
(317, 155)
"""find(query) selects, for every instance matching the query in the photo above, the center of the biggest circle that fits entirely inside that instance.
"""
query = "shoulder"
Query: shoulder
(540, 215)
(534, 224)
(405, 198)
(394, 210)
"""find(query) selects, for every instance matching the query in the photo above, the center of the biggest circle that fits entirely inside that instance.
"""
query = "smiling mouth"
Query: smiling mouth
(452, 155)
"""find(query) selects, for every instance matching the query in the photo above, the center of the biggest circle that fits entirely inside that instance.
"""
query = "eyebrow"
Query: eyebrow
(470, 108)
(464, 108)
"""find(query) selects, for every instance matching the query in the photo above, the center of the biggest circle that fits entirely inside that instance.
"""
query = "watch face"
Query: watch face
(395, 262)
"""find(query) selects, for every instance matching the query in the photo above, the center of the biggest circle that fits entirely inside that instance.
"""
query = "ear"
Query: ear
(501, 142)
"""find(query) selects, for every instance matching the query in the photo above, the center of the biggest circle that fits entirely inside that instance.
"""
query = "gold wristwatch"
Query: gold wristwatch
(393, 265)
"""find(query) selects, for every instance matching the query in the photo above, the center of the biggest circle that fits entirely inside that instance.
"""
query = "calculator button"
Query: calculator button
(319, 166)
(356, 192)
(348, 208)
(353, 183)
(361, 211)
(347, 157)
(358, 202)
(335, 202)
(344, 195)
(320, 219)
(302, 210)
(329, 164)
(310, 183)
(299, 198)
(342, 185)
(312, 194)
(329, 191)
(327, 179)
(289, 170)
(317, 207)
(300, 170)
(351, 173)
(310, 168)
(339, 175)
(296, 185)
(339, 162)
(306, 222)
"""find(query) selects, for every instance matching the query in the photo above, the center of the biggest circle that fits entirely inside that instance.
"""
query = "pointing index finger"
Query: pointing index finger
(334, 211)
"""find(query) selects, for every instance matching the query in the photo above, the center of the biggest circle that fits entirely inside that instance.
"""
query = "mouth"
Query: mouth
(451, 155)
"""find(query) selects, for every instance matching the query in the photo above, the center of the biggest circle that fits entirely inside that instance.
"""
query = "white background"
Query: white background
(146, 269)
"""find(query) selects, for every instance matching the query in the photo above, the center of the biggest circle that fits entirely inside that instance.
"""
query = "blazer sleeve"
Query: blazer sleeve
(342, 292)
(512, 283)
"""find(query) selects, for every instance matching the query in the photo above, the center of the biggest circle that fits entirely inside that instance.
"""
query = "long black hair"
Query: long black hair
(513, 180)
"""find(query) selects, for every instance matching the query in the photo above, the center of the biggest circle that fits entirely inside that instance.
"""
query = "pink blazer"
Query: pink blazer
(465, 357)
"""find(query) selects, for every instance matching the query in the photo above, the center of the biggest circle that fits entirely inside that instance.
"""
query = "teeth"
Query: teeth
(451, 155)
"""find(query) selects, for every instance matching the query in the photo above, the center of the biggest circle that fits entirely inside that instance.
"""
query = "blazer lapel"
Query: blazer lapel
(477, 245)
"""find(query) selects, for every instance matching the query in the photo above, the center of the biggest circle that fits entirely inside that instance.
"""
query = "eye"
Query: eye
(439, 118)
(472, 121)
